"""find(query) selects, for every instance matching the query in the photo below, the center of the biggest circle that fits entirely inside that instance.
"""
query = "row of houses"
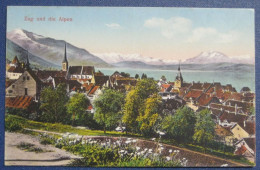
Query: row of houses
(230, 110)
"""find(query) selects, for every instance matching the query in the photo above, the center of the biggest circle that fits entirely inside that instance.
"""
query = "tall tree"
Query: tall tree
(149, 117)
(135, 100)
(109, 108)
(53, 103)
(137, 76)
(77, 106)
(181, 125)
(204, 128)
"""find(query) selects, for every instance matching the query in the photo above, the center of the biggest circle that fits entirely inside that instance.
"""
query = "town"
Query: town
(232, 110)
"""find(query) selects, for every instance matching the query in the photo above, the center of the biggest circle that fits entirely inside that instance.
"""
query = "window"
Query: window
(10, 91)
(13, 86)
(28, 78)
(237, 128)
(23, 78)
(25, 91)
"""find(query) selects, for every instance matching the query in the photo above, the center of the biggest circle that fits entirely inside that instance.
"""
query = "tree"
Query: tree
(53, 103)
(135, 100)
(181, 125)
(125, 74)
(137, 76)
(163, 78)
(144, 76)
(150, 115)
(77, 106)
(204, 128)
(108, 108)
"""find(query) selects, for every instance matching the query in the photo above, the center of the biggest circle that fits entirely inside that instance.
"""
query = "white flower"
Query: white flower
(162, 148)
(170, 150)
(134, 140)
(155, 154)
(160, 144)
(138, 148)
(150, 150)
(145, 149)
(122, 151)
(153, 139)
(175, 151)
(138, 153)
(168, 158)
(128, 141)
(161, 133)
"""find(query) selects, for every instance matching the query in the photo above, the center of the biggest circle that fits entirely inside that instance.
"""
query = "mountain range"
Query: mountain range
(49, 50)
(46, 52)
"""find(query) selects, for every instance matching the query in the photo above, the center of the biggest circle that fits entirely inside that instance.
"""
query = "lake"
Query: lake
(235, 78)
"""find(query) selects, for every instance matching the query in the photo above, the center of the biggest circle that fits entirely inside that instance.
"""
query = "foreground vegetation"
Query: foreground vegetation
(16, 123)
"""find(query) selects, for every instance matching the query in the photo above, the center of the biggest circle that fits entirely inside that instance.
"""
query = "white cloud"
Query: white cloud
(114, 26)
(169, 27)
(209, 34)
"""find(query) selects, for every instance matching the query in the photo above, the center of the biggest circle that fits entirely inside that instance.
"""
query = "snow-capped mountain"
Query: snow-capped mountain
(52, 50)
(113, 58)
(218, 57)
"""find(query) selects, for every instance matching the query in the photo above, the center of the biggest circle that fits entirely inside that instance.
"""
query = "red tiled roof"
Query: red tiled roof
(44, 74)
(241, 150)
(22, 102)
(248, 126)
(93, 90)
(204, 99)
(193, 94)
(232, 117)
(90, 107)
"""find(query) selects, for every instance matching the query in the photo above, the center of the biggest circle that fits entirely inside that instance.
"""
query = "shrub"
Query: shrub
(46, 141)
(12, 125)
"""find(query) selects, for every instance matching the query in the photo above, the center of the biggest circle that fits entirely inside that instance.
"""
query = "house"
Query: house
(246, 147)
(224, 135)
(100, 80)
(166, 88)
(227, 119)
(15, 70)
(28, 84)
(80, 72)
(243, 129)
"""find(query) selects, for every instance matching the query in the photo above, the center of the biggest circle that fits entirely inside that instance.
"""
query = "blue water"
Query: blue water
(236, 79)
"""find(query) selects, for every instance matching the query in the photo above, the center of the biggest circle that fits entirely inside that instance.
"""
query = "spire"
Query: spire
(179, 76)
(27, 64)
(65, 61)
(65, 55)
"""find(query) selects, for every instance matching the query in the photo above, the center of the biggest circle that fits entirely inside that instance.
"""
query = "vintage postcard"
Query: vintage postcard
(130, 87)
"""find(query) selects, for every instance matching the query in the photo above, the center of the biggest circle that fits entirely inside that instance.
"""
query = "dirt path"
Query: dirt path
(51, 157)
(195, 158)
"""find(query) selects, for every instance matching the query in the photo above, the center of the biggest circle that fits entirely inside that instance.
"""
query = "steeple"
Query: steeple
(65, 61)
(27, 64)
(178, 80)
(179, 76)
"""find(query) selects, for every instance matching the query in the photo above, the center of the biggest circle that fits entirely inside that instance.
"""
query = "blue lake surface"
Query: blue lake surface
(235, 78)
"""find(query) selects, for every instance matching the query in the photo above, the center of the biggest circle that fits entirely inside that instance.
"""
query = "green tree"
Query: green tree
(204, 128)
(77, 106)
(135, 100)
(144, 76)
(163, 78)
(137, 76)
(109, 108)
(53, 103)
(150, 116)
(181, 125)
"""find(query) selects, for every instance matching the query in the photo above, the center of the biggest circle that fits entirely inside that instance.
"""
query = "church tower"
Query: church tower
(27, 64)
(65, 61)
(178, 80)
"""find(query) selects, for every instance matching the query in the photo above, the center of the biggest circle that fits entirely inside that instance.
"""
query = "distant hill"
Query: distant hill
(52, 50)
(13, 49)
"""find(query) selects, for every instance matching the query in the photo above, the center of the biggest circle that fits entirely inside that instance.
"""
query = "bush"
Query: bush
(12, 125)
(46, 141)
(19, 112)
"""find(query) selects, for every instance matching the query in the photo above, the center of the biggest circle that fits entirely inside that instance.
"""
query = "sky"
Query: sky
(158, 32)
